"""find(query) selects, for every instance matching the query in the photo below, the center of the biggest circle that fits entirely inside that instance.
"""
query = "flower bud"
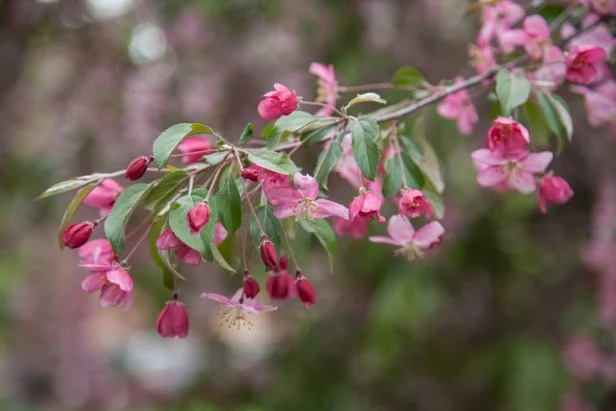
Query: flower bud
(279, 286)
(251, 286)
(198, 217)
(304, 290)
(553, 189)
(78, 234)
(268, 254)
(137, 168)
(249, 174)
(283, 264)
(173, 320)
(413, 204)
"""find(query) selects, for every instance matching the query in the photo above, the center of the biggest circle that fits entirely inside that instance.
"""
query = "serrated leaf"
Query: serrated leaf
(327, 161)
(164, 188)
(327, 238)
(407, 77)
(168, 140)
(512, 90)
(247, 134)
(155, 230)
(270, 224)
(365, 98)
(557, 116)
(178, 222)
(116, 221)
(229, 205)
(273, 161)
(297, 121)
(65, 186)
(366, 132)
(70, 211)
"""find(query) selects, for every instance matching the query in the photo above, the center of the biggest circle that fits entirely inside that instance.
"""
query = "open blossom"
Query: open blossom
(507, 136)
(583, 63)
(411, 243)
(327, 87)
(458, 106)
(277, 103)
(347, 166)
(552, 72)
(366, 205)
(537, 36)
(173, 320)
(115, 286)
(600, 103)
(515, 171)
(97, 253)
(235, 311)
(103, 196)
(553, 189)
(599, 35)
(168, 241)
(497, 19)
(355, 228)
(194, 148)
(301, 200)
(280, 285)
(481, 58)
(413, 204)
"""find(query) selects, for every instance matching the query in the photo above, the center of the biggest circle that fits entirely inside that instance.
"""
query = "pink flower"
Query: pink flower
(268, 253)
(507, 136)
(188, 255)
(481, 57)
(413, 204)
(168, 241)
(198, 217)
(103, 196)
(305, 291)
(553, 189)
(574, 402)
(301, 200)
(278, 103)
(96, 254)
(194, 148)
(535, 37)
(599, 35)
(270, 179)
(516, 171)
(412, 243)
(220, 233)
(600, 103)
(251, 286)
(78, 234)
(583, 63)
(280, 285)
(137, 168)
(496, 21)
(458, 106)
(355, 228)
(582, 357)
(234, 311)
(115, 285)
(601, 6)
(552, 71)
(366, 205)
(327, 87)
(347, 166)
(173, 320)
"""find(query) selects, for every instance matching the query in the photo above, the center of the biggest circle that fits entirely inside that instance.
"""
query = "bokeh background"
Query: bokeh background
(483, 323)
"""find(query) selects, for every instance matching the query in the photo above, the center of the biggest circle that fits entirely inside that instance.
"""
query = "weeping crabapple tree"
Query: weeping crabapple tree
(212, 198)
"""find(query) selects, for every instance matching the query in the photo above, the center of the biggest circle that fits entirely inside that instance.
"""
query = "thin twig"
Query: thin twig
(288, 243)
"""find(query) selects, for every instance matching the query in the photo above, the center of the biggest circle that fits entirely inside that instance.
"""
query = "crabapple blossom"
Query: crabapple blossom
(327, 87)
(583, 63)
(173, 320)
(277, 103)
(268, 254)
(304, 290)
(103, 196)
(366, 205)
(410, 243)
(600, 103)
(198, 217)
(137, 168)
(115, 286)
(458, 106)
(235, 311)
(78, 234)
(280, 285)
(413, 204)
(168, 241)
(355, 228)
(194, 148)
(507, 136)
(553, 189)
(251, 286)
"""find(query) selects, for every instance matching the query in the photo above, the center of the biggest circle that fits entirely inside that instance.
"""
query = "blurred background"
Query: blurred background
(504, 316)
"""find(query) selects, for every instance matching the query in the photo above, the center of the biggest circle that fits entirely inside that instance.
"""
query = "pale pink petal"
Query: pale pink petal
(282, 211)
(537, 162)
(384, 240)
(428, 234)
(449, 109)
(400, 229)
(283, 196)
(329, 208)
(491, 176)
(264, 308)
(537, 27)
(93, 282)
(218, 298)
(121, 278)
(508, 40)
(483, 158)
(467, 120)
(523, 181)
(306, 185)
(112, 296)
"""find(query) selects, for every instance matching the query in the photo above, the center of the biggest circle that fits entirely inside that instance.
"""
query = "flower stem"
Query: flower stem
(316, 103)
(132, 251)
(252, 209)
(288, 243)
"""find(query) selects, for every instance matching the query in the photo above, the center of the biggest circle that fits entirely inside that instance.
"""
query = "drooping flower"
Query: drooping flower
(235, 311)
(194, 148)
(198, 217)
(268, 254)
(507, 136)
(301, 200)
(413, 204)
(553, 189)
(304, 290)
(552, 71)
(366, 205)
(583, 63)
(277, 103)
(78, 234)
(167, 240)
(515, 171)
(173, 320)
(251, 286)
(137, 168)
(96, 254)
(347, 166)
(600, 103)
(268, 178)
(280, 285)
(103, 196)
(411, 243)
(327, 87)
(497, 19)
(220, 233)
(115, 286)
(458, 106)
(355, 228)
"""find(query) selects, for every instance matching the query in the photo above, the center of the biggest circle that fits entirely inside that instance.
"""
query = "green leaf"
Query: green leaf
(326, 162)
(164, 189)
(229, 205)
(178, 222)
(270, 224)
(155, 230)
(317, 136)
(272, 135)
(271, 160)
(221, 260)
(537, 124)
(247, 134)
(551, 12)
(557, 116)
(429, 163)
(327, 238)
(168, 140)
(70, 211)
(366, 132)
(407, 77)
(116, 221)
(512, 90)
(365, 98)
(393, 175)
(216, 158)
(436, 201)
(297, 121)
(65, 186)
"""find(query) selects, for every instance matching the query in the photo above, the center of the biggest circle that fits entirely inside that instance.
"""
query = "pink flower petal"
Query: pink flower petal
(93, 282)
(400, 229)
(523, 181)
(329, 208)
(428, 234)
(537, 162)
(491, 176)
(218, 298)
(306, 185)
(483, 158)
(121, 278)
(383, 240)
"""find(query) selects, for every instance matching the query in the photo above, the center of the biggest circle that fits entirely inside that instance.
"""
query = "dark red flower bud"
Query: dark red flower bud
(283, 264)
(251, 286)
(304, 290)
(268, 254)
(78, 234)
(249, 174)
(198, 217)
(173, 320)
(137, 168)
(279, 286)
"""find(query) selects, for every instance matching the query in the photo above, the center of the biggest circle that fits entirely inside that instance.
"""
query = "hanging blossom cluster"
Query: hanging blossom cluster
(210, 198)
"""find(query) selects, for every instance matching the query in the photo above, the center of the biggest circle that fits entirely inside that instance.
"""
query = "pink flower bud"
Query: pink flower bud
(78, 234)
(304, 290)
(278, 103)
(413, 204)
(283, 264)
(251, 286)
(173, 320)
(366, 205)
(194, 148)
(198, 217)
(167, 240)
(507, 136)
(553, 189)
(249, 174)
(279, 286)
(137, 168)
(268, 254)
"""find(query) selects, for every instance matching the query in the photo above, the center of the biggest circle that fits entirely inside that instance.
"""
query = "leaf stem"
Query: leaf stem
(214, 178)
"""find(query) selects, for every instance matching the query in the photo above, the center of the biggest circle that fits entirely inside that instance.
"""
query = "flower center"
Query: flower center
(307, 208)
(233, 317)
(410, 251)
